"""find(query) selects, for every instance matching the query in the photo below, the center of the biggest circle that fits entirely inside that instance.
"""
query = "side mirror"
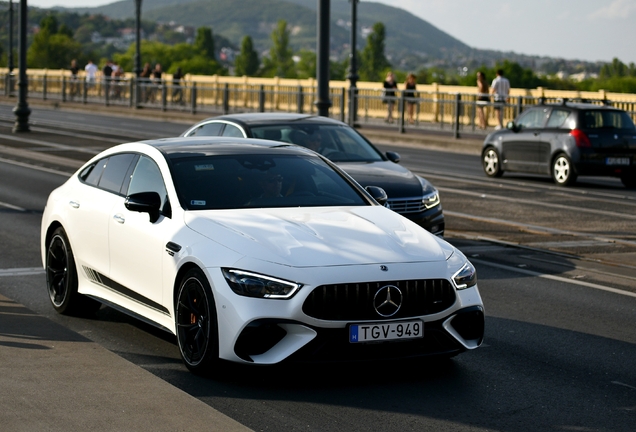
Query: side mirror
(393, 157)
(378, 194)
(512, 126)
(145, 202)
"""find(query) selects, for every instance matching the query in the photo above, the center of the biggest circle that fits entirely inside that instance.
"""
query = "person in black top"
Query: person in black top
(177, 92)
(74, 79)
(389, 95)
(411, 95)
(107, 72)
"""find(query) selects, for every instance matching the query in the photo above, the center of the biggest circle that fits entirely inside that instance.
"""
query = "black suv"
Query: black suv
(565, 141)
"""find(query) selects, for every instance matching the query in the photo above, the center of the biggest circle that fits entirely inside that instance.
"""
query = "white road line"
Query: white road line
(539, 228)
(11, 206)
(49, 144)
(35, 167)
(21, 271)
(555, 278)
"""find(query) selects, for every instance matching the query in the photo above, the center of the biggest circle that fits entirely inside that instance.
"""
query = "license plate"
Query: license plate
(386, 331)
(617, 161)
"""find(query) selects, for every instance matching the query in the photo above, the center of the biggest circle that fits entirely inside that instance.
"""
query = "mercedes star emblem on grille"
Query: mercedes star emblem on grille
(387, 301)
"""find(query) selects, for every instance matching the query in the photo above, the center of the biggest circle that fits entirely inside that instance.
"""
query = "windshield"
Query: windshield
(336, 142)
(606, 119)
(260, 181)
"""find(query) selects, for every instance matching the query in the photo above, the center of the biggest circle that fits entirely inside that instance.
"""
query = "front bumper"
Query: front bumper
(432, 220)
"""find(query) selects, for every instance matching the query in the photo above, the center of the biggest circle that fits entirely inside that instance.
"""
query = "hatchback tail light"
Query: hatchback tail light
(581, 140)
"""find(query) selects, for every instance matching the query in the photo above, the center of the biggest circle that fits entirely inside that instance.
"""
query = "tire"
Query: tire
(196, 323)
(563, 172)
(629, 181)
(61, 278)
(491, 162)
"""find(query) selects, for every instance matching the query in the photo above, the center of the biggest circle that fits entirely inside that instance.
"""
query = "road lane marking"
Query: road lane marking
(12, 207)
(35, 167)
(26, 271)
(49, 144)
(539, 228)
(555, 278)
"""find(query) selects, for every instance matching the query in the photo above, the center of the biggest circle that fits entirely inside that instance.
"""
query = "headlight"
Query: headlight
(466, 277)
(430, 195)
(430, 200)
(255, 285)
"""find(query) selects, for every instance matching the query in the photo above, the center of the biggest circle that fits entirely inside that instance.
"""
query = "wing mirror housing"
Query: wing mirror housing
(145, 202)
(512, 126)
(393, 156)
(378, 194)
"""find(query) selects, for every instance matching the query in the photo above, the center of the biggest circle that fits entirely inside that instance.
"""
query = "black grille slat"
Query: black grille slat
(354, 302)
(414, 205)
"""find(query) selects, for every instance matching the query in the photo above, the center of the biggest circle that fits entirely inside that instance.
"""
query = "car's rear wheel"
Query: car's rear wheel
(629, 180)
(61, 278)
(563, 172)
(491, 162)
(197, 330)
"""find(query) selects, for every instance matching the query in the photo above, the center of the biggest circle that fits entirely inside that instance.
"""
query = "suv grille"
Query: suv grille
(412, 205)
(354, 302)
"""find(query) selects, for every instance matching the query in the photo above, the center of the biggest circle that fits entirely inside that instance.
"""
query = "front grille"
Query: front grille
(354, 302)
(411, 205)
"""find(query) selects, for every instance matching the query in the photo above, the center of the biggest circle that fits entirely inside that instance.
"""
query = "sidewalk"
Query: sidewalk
(54, 379)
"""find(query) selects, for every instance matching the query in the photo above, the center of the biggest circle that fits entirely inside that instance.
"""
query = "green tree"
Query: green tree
(247, 62)
(374, 62)
(280, 62)
(306, 66)
(204, 42)
(51, 49)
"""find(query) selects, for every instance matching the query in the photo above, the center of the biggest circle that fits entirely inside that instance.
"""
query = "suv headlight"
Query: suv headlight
(249, 284)
(430, 200)
(466, 277)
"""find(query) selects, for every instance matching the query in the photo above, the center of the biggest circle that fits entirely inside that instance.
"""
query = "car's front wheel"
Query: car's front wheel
(563, 172)
(491, 162)
(61, 278)
(197, 333)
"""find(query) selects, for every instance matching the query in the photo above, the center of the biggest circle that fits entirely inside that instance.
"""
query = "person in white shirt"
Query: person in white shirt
(500, 88)
(91, 73)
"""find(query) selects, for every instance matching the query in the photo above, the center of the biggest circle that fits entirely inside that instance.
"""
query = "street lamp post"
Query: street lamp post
(322, 59)
(22, 110)
(10, 61)
(137, 38)
(353, 66)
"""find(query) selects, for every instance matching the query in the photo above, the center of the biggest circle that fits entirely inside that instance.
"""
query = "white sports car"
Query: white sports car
(255, 252)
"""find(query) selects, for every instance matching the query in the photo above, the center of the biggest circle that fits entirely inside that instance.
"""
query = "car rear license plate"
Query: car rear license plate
(373, 332)
(617, 161)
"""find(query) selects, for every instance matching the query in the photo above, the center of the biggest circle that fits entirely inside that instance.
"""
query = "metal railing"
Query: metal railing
(456, 113)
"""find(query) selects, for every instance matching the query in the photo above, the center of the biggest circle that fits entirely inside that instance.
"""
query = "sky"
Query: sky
(592, 30)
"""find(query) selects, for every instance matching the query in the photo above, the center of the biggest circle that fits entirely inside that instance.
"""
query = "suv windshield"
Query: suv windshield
(260, 181)
(337, 143)
(606, 119)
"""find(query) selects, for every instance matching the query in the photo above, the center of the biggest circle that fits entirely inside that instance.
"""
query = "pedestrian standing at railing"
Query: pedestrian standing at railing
(156, 77)
(389, 95)
(500, 88)
(74, 79)
(91, 73)
(144, 82)
(177, 91)
(107, 73)
(411, 96)
(483, 97)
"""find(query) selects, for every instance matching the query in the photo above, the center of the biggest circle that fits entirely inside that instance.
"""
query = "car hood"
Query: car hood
(397, 181)
(319, 236)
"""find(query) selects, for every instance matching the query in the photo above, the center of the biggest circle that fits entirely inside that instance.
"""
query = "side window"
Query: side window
(147, 178)
(557, 118)
(208, 129)
(232, 131)
(92, 173)
(115, 171)
(532, 118)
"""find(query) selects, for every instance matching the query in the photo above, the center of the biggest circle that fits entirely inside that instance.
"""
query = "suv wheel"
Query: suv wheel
(562, 170)
(491, 162)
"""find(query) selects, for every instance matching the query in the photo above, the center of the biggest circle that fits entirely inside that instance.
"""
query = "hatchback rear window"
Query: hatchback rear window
(602, 119)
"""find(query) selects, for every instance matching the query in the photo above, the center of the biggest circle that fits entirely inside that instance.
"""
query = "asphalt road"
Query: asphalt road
(556, 271)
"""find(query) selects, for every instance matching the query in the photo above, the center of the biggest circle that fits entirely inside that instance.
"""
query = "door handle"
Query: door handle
(74, 204)
(119, 218)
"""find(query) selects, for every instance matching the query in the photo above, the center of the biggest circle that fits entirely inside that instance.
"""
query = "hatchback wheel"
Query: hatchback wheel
(61, 278)
(491, 162)
(197, 332)
(562, 171)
